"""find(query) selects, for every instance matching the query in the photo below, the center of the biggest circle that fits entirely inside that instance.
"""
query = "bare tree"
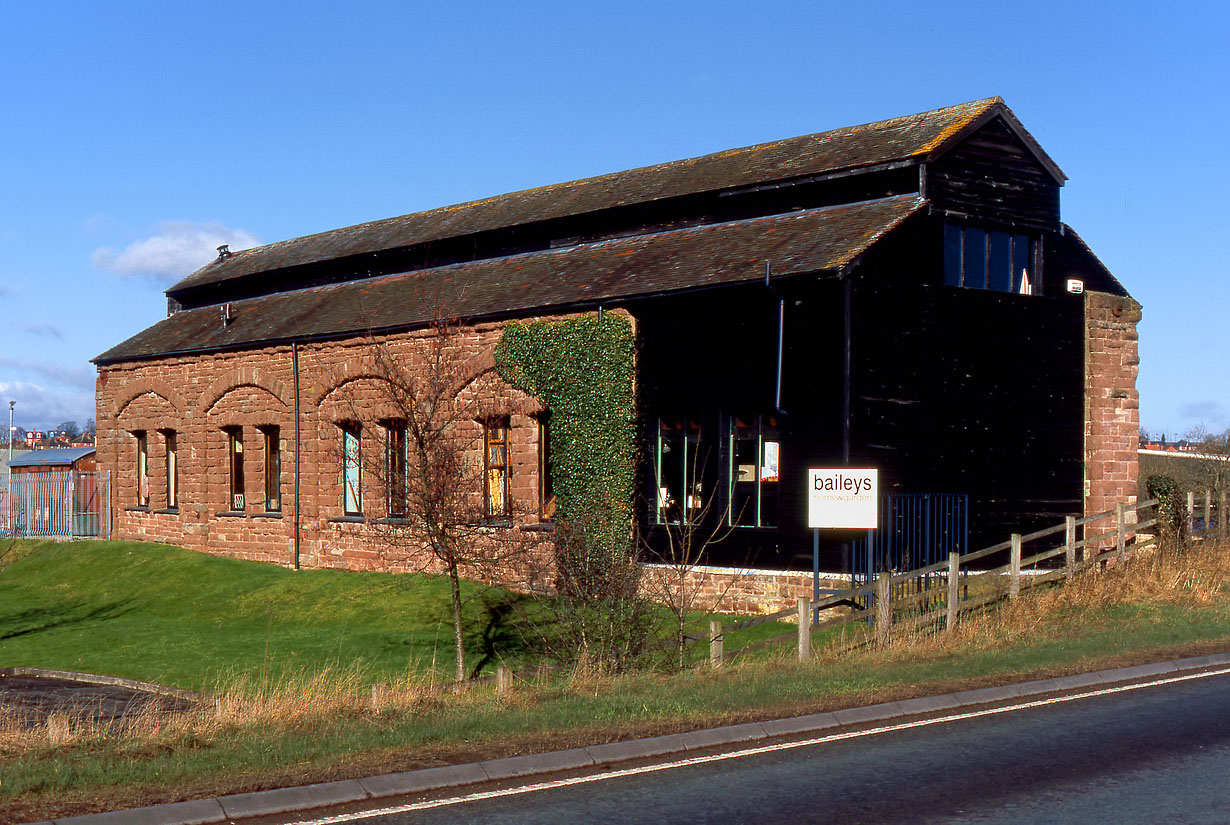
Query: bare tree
(69, 431)
(1212, 470)
(442, 474)
(679, 546)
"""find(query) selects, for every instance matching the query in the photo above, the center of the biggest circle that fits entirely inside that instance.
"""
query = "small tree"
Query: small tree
(679, 547)
(1213, 469)
(601, 619)
(431, 471)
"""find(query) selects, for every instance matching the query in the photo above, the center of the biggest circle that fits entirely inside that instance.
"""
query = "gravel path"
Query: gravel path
(36, 697)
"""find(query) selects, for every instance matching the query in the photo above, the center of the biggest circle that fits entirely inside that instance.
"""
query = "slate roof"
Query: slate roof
(903, 139)
(813, 240)
(51, 458)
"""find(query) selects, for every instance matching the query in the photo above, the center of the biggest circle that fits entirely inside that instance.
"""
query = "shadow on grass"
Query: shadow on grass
(42, 619)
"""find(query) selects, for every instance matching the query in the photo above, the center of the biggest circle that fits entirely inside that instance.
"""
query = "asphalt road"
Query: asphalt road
(1155, 755)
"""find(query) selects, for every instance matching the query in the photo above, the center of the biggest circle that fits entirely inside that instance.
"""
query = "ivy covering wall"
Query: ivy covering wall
(581, 371)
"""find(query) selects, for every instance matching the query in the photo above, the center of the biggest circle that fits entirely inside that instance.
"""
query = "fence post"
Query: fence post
(1221, 514)
(954, 591)
(1208, 514)
(804, 628)
(1014, 567)
(1069, 542)
(1121, 530)
(1191, 512)
(715, 643)
(884, 613)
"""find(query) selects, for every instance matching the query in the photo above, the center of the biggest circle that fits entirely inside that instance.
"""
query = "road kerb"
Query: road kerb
(206, 811)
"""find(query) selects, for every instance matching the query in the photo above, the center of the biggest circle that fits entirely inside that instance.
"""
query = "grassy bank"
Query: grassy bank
(176, 617)
(314, 724)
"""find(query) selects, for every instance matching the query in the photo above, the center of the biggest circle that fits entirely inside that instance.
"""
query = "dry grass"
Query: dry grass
(1194, 575)
(295, 701)
(473, 723)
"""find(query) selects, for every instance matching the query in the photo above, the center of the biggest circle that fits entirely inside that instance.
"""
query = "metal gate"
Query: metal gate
(916, 530)
(71, 504)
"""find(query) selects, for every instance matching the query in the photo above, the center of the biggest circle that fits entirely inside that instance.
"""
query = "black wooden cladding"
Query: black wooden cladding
(952, 390)
(992, 178)
(960, 390)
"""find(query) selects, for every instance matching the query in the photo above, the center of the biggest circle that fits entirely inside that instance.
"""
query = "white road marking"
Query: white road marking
(718, 757)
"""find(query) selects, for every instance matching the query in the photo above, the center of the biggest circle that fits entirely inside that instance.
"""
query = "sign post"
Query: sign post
(843, 498)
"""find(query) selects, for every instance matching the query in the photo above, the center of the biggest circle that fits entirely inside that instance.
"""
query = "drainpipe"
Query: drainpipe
(847, 321)
(847, 301)
(781, 326)
(294, 360)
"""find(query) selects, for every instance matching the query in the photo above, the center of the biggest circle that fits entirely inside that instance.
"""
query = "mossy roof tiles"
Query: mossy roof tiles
(913, 137)
(807, 241)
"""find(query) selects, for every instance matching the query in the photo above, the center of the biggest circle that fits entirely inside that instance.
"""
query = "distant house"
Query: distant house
(901, 295)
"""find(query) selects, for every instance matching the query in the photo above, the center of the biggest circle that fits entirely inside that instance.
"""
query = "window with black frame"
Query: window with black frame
(754, 471)
(395, 469)
(679, 490)
(989, 259)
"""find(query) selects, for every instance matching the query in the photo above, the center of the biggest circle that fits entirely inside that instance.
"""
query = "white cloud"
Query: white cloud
(43, 328)
(1212, 413)
(177, 249)
(39, 408)
(76, 377)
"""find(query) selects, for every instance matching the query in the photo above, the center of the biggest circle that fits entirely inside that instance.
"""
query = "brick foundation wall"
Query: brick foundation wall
(734, 590)
(1112, 403)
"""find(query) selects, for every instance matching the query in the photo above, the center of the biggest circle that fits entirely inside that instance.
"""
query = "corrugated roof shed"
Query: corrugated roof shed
(52, 458)
(813, 240)
(903, 139)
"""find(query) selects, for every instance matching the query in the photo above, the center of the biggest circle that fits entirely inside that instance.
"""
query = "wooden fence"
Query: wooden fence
(1206, 513)
(963, 583)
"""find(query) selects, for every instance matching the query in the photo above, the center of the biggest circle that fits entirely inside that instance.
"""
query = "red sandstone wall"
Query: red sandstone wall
(1112, 403)
(199, 396)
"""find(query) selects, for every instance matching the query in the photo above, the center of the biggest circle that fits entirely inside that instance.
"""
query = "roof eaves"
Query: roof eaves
(1079, 242)
(868, 222)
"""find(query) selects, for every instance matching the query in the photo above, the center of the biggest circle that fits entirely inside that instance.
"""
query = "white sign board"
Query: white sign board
(846, 497)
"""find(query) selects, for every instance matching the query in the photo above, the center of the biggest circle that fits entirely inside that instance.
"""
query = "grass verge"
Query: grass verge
(313, 725)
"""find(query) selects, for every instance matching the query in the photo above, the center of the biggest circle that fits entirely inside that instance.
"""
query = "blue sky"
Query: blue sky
(138, 136)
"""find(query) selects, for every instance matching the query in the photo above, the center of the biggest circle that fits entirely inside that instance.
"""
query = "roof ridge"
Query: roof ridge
(676, 178)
